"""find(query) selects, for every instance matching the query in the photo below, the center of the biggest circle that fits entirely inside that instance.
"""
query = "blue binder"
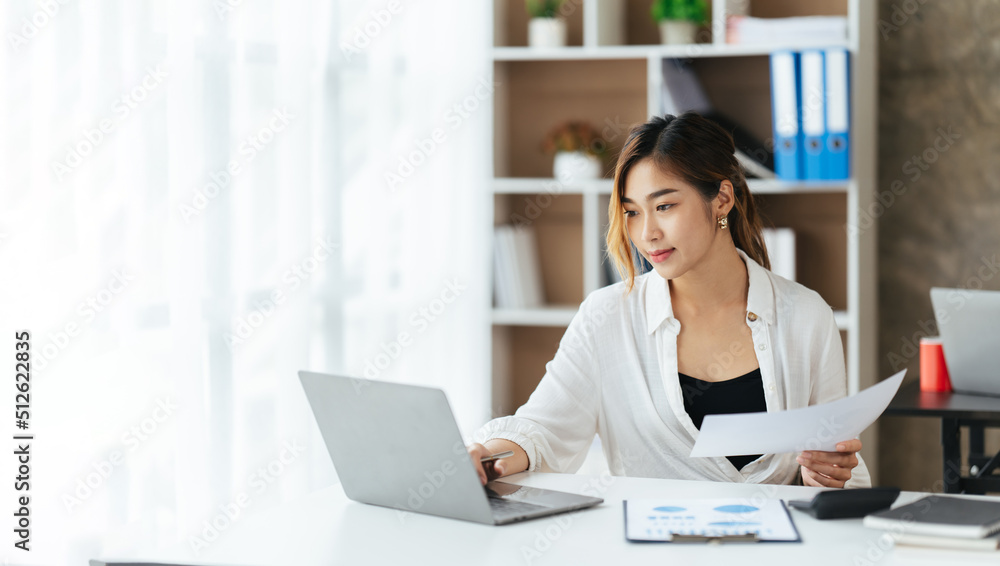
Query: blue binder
(837, 146)
(813, 105)
(785, 115)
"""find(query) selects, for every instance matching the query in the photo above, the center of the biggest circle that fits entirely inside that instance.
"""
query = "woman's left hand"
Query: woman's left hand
(829, 469)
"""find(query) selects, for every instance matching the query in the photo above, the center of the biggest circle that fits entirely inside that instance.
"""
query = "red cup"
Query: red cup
(933, 369)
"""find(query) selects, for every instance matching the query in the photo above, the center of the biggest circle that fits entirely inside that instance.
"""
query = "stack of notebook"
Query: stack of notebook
(784, 31)
(517, 272)
(942, 522)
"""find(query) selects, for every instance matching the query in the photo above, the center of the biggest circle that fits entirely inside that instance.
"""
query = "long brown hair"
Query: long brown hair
(701, 153)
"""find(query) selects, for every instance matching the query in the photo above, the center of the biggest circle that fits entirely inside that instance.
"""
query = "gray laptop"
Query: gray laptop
(398, 446)
(969, 324)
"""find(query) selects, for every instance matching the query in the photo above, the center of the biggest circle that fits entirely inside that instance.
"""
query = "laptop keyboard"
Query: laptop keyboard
(512, 506)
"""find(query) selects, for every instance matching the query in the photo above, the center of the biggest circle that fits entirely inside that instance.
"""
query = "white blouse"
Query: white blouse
(615, 374)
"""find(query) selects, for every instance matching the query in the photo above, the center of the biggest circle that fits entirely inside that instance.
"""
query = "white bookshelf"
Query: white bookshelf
(612, 70)
(699, 50)
(552, 315)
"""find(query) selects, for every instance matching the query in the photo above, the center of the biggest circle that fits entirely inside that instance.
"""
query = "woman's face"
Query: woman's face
(667, 220)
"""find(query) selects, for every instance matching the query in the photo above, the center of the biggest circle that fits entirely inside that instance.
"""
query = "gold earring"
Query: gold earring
(723, 222)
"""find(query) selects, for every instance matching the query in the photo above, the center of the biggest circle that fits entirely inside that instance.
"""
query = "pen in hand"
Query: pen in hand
(497, 456)
(492, 466)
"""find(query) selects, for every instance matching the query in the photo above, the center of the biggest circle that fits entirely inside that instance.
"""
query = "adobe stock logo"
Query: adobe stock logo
(92, 138)
(30, 27)
(88, 310)
(364, 35)
(434, 481)
(87, 485)
(421, 319)
(232, 511)
(248, 150)
(294, 277)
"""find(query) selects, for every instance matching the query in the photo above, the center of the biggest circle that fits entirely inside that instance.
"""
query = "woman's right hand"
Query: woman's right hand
(494, 469)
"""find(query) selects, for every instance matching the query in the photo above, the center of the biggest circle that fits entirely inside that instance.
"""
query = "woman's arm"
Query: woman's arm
(558, 423)
(843, 468)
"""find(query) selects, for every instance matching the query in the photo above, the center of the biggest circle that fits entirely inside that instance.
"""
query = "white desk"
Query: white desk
(328, 528)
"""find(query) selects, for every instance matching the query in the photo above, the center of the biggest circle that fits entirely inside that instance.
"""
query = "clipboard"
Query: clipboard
(708, 521)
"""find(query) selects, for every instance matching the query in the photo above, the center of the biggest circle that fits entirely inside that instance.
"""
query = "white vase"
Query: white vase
(546, 32)
(571, 166)
(673, 32)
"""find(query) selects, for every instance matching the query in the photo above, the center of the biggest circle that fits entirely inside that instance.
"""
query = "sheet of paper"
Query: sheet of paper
(817, 427)
(660, 519)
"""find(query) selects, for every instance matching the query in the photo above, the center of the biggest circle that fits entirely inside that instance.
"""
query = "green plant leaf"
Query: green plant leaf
(691, 10)
(542, 8)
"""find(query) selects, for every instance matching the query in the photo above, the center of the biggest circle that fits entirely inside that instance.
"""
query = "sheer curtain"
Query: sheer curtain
(201, 198)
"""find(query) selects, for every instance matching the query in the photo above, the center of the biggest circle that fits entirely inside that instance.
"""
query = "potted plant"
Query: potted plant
(578, 150)
(545, 29)
(679, 19)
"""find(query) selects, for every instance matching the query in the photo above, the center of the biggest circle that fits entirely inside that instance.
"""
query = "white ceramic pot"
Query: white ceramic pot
(570, 166)
(673, 32)
(546, 32)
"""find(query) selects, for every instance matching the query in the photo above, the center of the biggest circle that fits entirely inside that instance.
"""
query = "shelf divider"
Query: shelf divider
(591, 244)
(554, 315)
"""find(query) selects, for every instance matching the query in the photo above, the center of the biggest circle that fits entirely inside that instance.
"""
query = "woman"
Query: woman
(709, 330)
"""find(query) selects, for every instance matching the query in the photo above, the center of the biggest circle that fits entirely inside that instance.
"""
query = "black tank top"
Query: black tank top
(744, 394)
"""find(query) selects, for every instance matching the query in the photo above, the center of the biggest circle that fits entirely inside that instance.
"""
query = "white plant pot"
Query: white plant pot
(673, 32)
(547, 32)
(571, 166)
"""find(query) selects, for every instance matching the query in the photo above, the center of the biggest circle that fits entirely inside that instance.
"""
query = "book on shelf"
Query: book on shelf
(780, 244)
(745, 30)
(941, 516)
(502, 291)
(517, 273)
(529, 269)
(682, 92)
(752, 153)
